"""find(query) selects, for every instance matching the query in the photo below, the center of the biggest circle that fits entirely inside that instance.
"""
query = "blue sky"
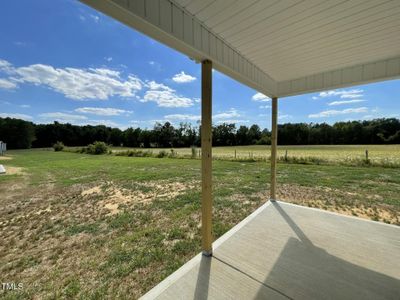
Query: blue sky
(61, 60)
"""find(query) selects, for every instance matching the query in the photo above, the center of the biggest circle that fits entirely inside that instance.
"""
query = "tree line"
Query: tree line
(20, 134)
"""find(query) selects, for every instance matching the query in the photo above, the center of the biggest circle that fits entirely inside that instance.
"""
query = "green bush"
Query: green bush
(173, 154)
(59, 146)
(162, 154)
(265, 140)
(97, 148)
(135, 153)
(194, 152)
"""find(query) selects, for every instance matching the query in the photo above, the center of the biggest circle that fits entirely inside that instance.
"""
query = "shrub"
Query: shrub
(59, 146)
(265, 140)
(162, 154)
(97, 148)
(135, 153)
(173, 154)
(194, 152)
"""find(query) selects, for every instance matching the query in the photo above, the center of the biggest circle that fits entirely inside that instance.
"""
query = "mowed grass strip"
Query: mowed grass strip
(92, 227)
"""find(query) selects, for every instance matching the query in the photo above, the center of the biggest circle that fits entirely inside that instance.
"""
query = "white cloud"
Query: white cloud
(102, 111)
(264, 106)
(15, 116)
(231, 121)
(20, 44)
(183, 117)
(260, 97)
(95, 18)
(366, 117)
(155, 65)
(77, 84)
(25, 106)
(284, 117)
(376, 113)
(330, 113)
(229, 116)
(166, 99)
(109, 58)
(75, 119)
(342, 93)
(107, 123)
(7, 84)
(343, 96)
(164, 96)
(232, 113)
(152, 85)
(106, 72)
(93, 84)
(5, 66)
(183, 78)
(345, 102)
(62, 117)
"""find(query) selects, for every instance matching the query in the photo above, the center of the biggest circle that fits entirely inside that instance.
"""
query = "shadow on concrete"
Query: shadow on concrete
(304, 271)
(203, 279)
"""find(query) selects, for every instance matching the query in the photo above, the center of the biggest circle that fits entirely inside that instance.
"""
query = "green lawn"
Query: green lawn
(82, 226)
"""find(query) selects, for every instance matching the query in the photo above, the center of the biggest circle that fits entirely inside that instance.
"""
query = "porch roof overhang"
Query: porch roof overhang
(280, 48)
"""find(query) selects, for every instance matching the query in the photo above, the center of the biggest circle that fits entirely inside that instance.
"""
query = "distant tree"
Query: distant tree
(185, 135)
(23, 134)
(265, 138)
(145, 138)
(254, 134)
(116, 137)
(242, 136)
(164, 135)
(224, 135)
(59, 146)
(131, 137)
(18, 134)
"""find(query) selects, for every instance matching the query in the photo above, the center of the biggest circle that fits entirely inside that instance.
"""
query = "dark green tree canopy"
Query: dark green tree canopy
(20, 134)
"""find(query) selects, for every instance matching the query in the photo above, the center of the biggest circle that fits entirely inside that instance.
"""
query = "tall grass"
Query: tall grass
(304, 160)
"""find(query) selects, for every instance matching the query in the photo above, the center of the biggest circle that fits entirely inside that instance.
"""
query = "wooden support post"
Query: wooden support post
(206, 157)
(274, 140)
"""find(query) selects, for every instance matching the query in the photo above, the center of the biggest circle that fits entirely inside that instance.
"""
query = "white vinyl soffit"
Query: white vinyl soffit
(278, 47)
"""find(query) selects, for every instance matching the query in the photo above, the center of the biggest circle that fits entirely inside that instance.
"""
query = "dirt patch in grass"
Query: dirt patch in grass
(92, 191)
(114, 196)
(5, 157)
(339, 201)
(14, 171)
(55, 234)
(326, 198)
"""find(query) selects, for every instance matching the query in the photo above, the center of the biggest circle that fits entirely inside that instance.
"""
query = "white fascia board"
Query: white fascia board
(355, 75)
(170, 24)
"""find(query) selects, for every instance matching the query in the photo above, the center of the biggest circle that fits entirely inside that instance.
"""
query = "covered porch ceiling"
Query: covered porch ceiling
(278, 47)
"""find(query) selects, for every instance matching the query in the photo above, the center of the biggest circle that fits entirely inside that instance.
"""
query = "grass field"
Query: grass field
(331, 153)
(94, 227)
